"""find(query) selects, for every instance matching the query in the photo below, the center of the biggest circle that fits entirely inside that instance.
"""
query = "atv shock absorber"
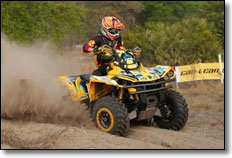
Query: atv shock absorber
(120, 94)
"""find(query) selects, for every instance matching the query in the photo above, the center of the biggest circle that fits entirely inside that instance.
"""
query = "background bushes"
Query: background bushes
(169, 32)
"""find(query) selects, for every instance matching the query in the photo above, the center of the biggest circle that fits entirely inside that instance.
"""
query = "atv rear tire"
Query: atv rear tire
(178, 109)
(111, 116)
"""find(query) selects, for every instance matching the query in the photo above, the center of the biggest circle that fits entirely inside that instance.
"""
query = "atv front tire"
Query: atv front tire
(178, 112)
(110, 116)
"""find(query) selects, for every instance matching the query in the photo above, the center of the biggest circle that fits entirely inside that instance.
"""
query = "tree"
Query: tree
(168, 11)
(175, 11)
(184, 42)
(95, 10)
(213, 11)
(25, 21)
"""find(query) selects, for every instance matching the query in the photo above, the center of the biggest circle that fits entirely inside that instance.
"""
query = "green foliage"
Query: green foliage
(25, 21)
(180, 43)
(168, 11)
(213, 11)
(175, 11)
(126, 11)
(169, 32)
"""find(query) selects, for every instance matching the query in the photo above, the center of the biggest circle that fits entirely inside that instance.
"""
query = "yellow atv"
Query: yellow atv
(129, 91)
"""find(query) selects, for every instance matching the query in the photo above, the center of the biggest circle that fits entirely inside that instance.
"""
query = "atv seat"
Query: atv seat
(86, 77)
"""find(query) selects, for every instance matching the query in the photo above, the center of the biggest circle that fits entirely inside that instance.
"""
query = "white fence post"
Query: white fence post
(200, 68)
(177, 77)
(220, 65)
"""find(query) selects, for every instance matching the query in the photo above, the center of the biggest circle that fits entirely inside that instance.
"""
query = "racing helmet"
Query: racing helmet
(111, 27)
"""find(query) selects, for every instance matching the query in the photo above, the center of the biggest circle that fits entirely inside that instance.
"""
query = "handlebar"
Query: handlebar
(120, 51)
(116, 51)
(108, 49)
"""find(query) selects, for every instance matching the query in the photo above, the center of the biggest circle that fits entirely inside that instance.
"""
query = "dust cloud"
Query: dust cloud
(29, 86)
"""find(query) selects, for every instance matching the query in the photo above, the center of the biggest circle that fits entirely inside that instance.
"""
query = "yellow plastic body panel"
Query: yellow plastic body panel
(76, 92)
(99, 86)
(97, 90)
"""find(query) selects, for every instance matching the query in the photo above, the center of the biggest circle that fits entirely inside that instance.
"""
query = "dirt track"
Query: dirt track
(140, 137)
(56, 125)
(204, 130)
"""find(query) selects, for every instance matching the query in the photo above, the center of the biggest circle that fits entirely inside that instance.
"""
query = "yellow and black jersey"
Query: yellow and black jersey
(99, 41)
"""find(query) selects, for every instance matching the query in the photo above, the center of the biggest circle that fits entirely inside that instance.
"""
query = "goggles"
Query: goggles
(114, 30)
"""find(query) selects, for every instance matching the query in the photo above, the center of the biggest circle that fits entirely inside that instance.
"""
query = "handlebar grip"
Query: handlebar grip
(119, 51)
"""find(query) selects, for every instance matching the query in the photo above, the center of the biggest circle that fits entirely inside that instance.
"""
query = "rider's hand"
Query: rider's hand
(96, 51)
(104, 48)
(137, 51)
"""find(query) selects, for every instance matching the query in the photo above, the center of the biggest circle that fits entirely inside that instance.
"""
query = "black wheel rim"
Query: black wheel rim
(105, 119)
(167, 112)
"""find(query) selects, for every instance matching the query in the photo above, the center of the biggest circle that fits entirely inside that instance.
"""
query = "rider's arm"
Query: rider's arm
(93, 43)
(88, 47)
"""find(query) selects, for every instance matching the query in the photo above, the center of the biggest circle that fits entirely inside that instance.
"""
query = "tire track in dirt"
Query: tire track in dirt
(174, 139)
(60, 136)
(57, 136)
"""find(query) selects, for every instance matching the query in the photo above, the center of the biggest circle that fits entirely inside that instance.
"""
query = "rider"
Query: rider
(109, 34)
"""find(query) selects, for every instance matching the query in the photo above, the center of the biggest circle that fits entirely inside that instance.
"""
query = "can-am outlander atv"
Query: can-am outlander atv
(129, 91)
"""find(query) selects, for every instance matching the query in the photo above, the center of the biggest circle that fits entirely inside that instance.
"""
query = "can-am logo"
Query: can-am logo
(200, 71)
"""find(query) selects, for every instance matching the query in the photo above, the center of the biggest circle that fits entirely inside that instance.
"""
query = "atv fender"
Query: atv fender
(77, 91)
(100, 86)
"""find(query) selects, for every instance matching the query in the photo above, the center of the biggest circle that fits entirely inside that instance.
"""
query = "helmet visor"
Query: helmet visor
(113, 31)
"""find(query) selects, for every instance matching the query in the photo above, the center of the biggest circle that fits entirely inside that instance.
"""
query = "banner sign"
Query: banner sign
(202, 71)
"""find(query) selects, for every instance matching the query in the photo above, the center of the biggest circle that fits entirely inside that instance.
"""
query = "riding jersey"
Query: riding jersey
(99, 41)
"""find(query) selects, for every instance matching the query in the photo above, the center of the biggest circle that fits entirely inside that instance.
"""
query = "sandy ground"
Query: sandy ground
(204, 130)
(54, 125)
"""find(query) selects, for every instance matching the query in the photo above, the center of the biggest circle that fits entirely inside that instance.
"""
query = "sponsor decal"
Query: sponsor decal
(139, 75)
(160, 69)
(130, 74)
(105, 79)
(65, 81)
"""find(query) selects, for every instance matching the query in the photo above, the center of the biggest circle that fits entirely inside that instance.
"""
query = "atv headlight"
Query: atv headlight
(170, 73)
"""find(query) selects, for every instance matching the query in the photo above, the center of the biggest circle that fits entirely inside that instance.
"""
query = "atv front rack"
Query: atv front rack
(150, 87)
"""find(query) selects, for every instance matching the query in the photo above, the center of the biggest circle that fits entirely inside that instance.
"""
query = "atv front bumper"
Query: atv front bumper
(150, 87)
(150, 93)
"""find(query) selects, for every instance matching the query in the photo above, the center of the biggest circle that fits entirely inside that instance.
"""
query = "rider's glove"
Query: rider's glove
(96, 51)
(137, 51)
(104, 48)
